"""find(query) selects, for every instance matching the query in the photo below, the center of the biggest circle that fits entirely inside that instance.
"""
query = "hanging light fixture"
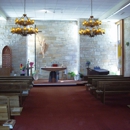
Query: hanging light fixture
(92, 26)
(23, 25)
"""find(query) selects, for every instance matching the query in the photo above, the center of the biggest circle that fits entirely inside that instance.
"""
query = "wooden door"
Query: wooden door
(7, 58)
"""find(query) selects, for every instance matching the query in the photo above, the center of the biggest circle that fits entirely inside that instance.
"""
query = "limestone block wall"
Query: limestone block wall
(126, 48)
(16, 43)
(60, 36)
(100, 50)
(65, 46)
(62, 40)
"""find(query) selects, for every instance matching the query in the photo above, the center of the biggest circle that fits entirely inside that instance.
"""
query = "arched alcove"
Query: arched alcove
(7, 58)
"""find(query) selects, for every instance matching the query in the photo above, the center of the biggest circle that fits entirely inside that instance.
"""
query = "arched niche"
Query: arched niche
(7, 58)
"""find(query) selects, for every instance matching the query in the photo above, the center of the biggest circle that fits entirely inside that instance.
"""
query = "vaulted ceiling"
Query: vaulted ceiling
(65, 9)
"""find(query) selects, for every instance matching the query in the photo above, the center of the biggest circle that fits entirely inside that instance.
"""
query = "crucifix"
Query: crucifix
(35, 47)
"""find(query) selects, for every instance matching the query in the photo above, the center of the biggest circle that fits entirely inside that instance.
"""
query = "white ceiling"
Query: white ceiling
(65, 9)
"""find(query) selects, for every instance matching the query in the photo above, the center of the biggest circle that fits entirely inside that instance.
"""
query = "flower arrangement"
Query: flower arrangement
(22, 69)
(31, 64)
(88, 63)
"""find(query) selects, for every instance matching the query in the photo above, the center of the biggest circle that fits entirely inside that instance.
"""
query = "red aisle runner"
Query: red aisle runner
(70, 108)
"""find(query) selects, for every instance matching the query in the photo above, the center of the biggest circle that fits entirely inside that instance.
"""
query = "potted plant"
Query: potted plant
(72, 74)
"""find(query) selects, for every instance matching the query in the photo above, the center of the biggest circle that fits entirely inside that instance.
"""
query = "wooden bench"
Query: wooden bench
(29, 78)
(12, 102)
(16, 77)
(110, 87)
(4, 112)
(13, 99)
(3, 116)
(18, 80)
(14, 87)
(19, 77)
(94, 84)
(101, 76)
(4, 128)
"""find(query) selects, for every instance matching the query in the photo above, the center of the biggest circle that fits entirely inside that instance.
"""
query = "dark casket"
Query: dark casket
(97, 71)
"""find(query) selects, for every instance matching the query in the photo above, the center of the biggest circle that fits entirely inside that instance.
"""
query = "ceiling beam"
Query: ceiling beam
(2, 16)
(114, 9)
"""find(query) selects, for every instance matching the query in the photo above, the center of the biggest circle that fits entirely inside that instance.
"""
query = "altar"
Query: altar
(53, 77)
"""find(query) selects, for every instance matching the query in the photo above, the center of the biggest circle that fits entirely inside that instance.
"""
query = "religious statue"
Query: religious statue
(44, 47)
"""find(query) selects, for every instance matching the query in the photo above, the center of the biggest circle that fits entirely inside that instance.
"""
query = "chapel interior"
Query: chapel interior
(72, 51)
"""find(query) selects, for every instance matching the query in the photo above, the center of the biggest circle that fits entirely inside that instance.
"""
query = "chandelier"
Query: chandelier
(92, 26)
(23, 25)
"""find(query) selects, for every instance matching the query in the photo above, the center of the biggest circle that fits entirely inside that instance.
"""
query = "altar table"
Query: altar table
(53, 77)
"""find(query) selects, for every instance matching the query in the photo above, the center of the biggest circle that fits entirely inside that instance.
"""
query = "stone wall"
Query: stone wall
(65, 46)
(99, 50)
(16, 43)
(60, 36)
(126, 48)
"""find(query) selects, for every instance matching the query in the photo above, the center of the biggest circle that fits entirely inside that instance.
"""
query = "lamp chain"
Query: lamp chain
(24, 6)
(92, 26)
(91, 8)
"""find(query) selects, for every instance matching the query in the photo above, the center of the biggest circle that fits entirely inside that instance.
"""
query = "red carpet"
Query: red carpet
(70, 108)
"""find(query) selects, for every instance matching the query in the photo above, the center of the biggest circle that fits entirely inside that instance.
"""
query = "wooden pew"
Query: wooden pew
(3, 116)
(110, 87)
(22, 91)
(17, 80)
(100, 77)
(17, 77)
(13, 86)
(94, 84)
(12, 102)
(29, 78)
(9, 87)
(4, 128)
(13, 99)
(4, 112)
